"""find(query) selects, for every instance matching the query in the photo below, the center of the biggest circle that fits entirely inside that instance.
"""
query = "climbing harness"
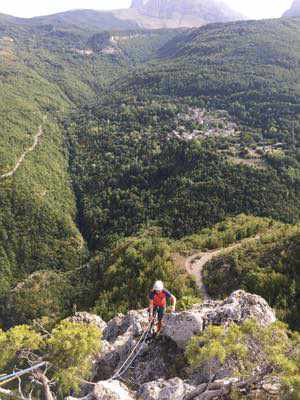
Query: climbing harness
(134, 354)
(10, 377)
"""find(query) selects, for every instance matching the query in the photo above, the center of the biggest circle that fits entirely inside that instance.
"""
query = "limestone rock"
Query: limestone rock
(160, 370)
(238, 307)
(120, 336)
(108, 390)
(89, 319)
(111, 390)
(134, 320)
(155, 360)
(211, 11)
(173, 389)
(294, 11)
(180, 327)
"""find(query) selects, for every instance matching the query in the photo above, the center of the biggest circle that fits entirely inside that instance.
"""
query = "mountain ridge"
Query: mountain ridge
(151, 14)
(294, 11)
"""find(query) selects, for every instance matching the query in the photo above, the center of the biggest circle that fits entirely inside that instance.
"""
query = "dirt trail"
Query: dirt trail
(22, 158)
(195, 263)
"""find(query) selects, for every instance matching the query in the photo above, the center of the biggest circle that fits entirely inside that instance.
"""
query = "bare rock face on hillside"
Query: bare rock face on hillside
(236, 308)
(294, 11)
(160, 370)
(89, 319)
(178, 13)
(167, 390)
(111, 390)
(108, 390)
(207, 10)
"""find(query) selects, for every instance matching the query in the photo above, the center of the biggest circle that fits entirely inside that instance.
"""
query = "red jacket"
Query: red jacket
(160, 298)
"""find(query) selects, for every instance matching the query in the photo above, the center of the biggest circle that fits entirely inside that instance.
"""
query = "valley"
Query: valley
(136, 145)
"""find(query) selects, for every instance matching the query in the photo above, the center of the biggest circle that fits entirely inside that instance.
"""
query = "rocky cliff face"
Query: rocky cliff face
(146, 14)
(294, 11)
(160, 371)
(177, 13)
(209, 11)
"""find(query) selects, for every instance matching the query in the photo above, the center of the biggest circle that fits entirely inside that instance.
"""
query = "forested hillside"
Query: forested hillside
(109, 136)
(249, 68)
(268, 267)
(131, 170)
(44, 76)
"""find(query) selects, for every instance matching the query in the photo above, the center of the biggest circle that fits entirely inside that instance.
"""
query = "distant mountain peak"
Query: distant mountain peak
(203, 10)
(145, 14)
(138, 3)
(294, 11)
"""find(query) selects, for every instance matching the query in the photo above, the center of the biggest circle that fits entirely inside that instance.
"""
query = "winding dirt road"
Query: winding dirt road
(22, 158)
(195, 263)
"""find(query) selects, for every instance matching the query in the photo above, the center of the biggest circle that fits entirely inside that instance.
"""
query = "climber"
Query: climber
(158, 303)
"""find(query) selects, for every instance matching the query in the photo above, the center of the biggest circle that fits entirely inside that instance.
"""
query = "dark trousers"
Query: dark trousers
(159, 313)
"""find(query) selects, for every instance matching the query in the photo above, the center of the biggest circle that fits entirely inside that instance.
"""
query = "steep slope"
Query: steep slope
(249, 68)
(152, 14)
(44, 74)
(294, 11)
(178, 13)
(38, 208)
(214, 11)
(75, 20)
(86, 20)
(130, 169)
(268, 266)
(152, 151)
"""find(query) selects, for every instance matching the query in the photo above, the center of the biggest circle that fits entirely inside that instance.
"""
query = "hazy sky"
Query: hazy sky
(29, 8)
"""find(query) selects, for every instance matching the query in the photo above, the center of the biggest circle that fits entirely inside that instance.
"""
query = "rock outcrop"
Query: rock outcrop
(236, 308)
(154, 14)
(160, 371)
(108, 390)
(90, 319)
(211, 11)
(146, 14)
(294, 11)
(111, 390)
(165, 390)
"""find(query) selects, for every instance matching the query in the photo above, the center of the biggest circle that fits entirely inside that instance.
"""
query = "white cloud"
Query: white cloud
(29, 8)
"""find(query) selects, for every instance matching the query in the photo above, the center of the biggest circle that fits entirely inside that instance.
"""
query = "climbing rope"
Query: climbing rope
(121, 371)
(10, 377)
(129, 360)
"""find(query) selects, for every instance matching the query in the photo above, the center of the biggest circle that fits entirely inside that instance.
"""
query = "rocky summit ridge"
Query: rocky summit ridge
(208, 11)
(294, 11)
(144, 14)
(178, 13)
(159, 372)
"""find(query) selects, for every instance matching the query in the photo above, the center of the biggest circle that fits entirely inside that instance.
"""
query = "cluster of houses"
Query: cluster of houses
(198, 122)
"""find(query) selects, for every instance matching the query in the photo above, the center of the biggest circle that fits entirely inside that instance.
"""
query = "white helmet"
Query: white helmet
(158, 285)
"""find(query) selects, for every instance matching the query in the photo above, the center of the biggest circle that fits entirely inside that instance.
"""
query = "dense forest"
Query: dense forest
(131, 170)
(249, 68)
(150, 141)
(130, 155)
(268, 267)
